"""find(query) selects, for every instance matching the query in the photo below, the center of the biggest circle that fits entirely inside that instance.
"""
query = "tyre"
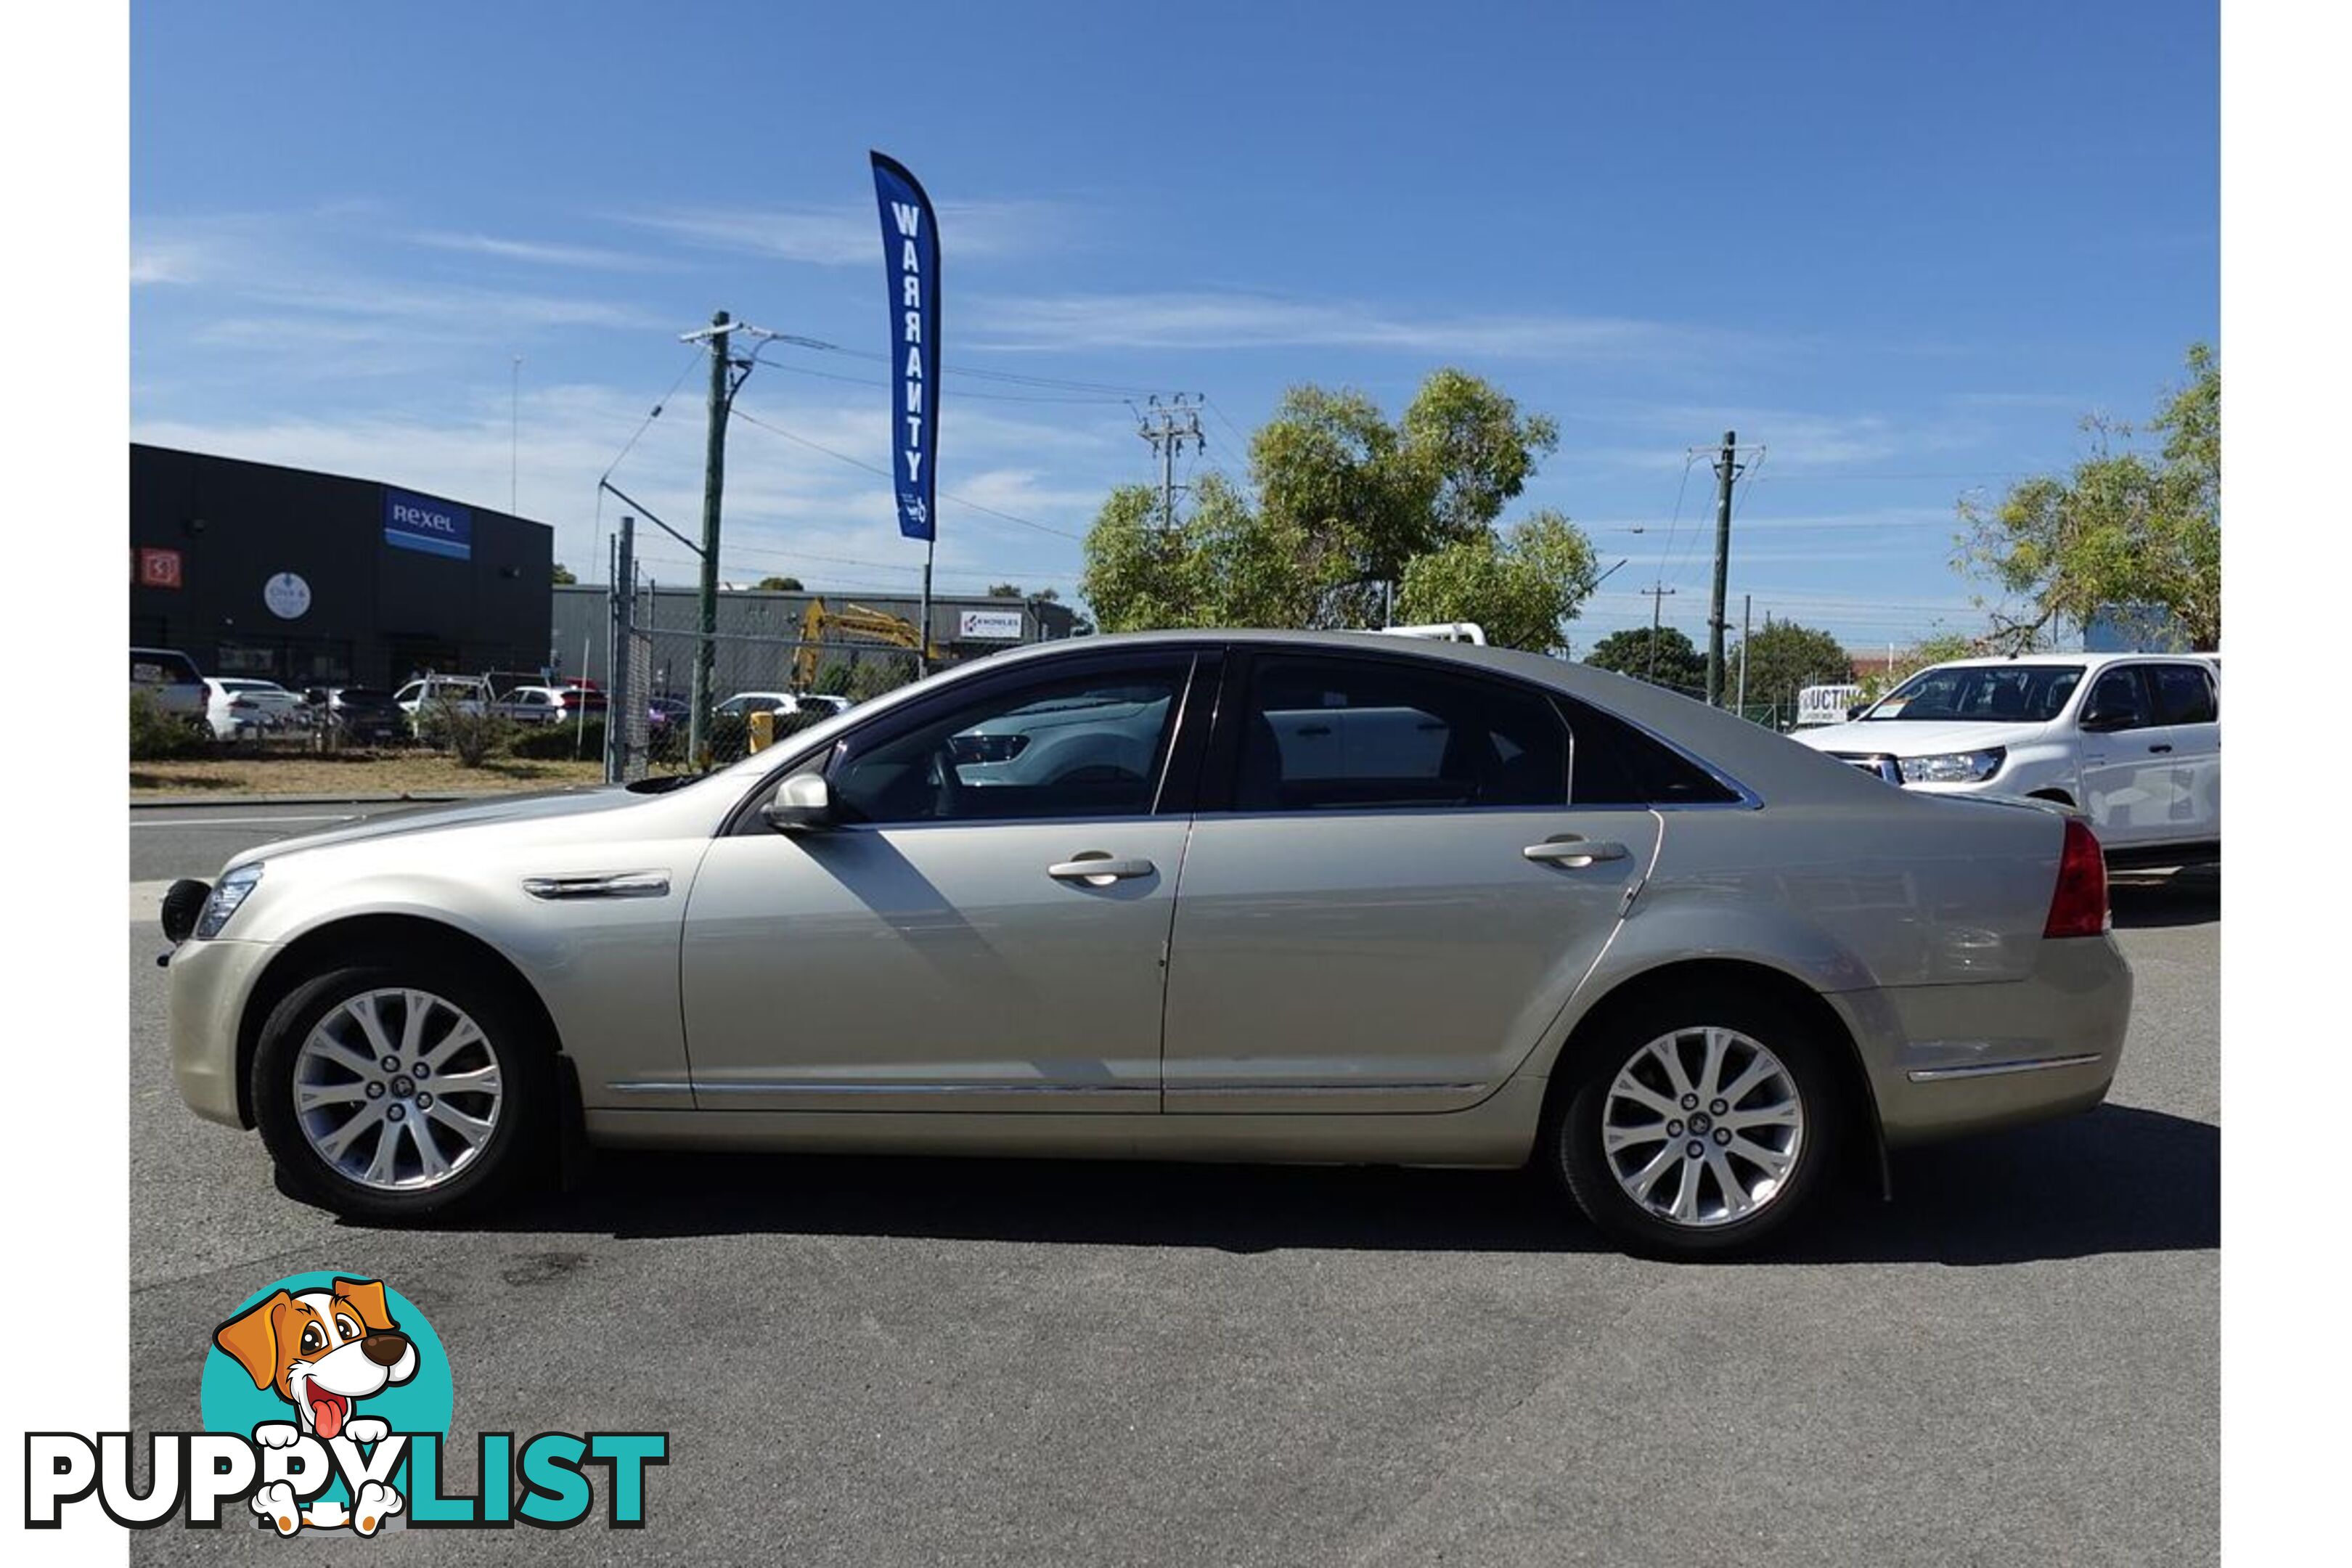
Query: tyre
(393, 1090)
(1701, 1124)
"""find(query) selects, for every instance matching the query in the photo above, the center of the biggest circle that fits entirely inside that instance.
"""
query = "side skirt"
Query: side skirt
(1498, 1133)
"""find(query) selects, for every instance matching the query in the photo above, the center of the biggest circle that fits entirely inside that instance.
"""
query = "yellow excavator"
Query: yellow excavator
(854, 625)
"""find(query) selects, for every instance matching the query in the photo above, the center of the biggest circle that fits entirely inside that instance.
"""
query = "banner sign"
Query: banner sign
(989, 625)
(910, 251)
(420, 522)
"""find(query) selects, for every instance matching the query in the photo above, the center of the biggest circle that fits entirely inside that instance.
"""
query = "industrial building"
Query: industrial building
(316, 579)
(760, 632)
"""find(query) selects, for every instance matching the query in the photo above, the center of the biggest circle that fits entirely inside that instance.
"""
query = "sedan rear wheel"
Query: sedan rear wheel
(1701, 1127)
(391, 1091)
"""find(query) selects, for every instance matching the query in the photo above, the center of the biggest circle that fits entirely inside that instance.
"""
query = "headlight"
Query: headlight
(1953, 767)
(228, 893)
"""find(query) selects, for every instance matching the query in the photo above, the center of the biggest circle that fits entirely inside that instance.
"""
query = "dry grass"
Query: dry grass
(357, 773)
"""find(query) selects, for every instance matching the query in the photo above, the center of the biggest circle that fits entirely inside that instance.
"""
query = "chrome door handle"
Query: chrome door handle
(1099, 870)
(1574, 852)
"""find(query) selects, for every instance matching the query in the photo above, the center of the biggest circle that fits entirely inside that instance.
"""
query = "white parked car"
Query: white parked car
(466, 693)
(170, 677)
(2133, 739)
(550, 704)
(236, 708)
(743, 704)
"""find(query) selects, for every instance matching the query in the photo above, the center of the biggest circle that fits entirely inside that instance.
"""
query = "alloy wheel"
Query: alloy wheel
(397, 1089)
(1702, 1127)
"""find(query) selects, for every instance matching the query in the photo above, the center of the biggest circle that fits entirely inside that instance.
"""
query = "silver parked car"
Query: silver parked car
(1354, 898)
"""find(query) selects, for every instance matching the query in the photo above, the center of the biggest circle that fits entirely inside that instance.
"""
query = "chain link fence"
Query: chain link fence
(800, 683)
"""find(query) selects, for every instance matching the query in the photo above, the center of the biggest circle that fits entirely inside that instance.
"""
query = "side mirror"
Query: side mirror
(2099, 721)
(803, 802)
(1855, 711)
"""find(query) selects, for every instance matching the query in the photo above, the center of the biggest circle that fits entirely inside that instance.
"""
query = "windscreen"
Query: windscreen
(1984, 693)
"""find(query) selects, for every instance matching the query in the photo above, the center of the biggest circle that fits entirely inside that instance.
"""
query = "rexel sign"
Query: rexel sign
(420, 522)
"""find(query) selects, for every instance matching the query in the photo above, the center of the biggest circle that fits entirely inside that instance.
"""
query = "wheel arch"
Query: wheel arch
(1648, 986)
(371, 936)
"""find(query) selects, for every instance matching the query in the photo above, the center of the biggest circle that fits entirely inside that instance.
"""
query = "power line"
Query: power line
(1667, 549)
(692, 360)
(885, 473)
(1089, 399)
(1229, 424)
(1012, 377)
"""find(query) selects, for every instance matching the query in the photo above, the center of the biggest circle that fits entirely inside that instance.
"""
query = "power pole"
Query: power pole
(1726, 471)
(1168, 426)
(1746, 620)
(621, 639)
(714, 481)
(1658, 592)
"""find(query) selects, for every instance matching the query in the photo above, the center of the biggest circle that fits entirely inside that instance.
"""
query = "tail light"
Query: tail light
(2078, 906)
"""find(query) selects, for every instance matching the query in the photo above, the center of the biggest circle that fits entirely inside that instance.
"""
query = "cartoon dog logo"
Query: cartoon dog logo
(323, 1351)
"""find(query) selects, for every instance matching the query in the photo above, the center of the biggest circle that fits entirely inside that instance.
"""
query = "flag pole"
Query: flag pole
(923, 633)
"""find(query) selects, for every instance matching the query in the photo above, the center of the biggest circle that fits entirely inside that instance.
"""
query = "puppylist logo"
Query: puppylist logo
(326, 1402)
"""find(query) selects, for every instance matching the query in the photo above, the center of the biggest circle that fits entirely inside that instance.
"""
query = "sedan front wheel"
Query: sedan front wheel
(1703, 1125)
(389, 1091)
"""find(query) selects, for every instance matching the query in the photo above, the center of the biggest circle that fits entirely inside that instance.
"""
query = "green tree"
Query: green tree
(1664, 657)
(1783, 658)
(1341, 501)
(1520, 586)
(1221, 565)
(781, 584)
(1015, 591)
(2127, 528)
(873, 676)
(562, 575)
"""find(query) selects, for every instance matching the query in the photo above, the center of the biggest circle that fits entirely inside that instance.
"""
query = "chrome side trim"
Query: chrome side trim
(1275, 1089)
(664, 1086)
(600, 885)
(1994, 1069)
(738, 1085)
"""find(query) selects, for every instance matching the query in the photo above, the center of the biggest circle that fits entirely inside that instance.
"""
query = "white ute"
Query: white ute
(2133, 739)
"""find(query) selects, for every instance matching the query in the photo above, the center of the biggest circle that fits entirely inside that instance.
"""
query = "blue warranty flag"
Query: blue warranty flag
(910, 253)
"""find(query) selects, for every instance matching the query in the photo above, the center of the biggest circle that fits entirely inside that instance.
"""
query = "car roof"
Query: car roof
(2090, 660)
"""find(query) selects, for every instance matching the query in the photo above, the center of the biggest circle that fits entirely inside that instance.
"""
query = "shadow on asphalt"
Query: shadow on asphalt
(2144, 900)
(2115, 1180)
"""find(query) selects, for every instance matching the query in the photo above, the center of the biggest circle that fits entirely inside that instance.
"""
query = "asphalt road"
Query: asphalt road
(871, 1361)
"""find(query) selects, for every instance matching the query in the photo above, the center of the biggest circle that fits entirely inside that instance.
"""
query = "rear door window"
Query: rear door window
(2185, 693)
(1338, 734)
(1615, 763)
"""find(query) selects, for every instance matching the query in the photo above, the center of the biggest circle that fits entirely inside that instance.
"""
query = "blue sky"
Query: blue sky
(1901, 247)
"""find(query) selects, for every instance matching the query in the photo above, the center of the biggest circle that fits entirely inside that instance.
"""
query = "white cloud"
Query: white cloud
(160, 264)
(1778, 442)
(1235, 320)
(536, 252)
(852, 236)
